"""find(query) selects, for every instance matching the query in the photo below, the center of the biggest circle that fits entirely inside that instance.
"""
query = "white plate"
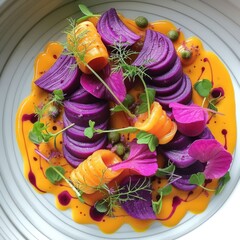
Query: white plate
(25, 27)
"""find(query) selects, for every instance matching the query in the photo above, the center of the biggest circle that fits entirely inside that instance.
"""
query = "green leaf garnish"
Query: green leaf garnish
(222, 183)
(53, 175)
(165, 171)
(128, 101)
(203, 87)
(143, 107)
(89, 131)
(157, 205)
(197, 178)
(149, 139)
(86, 12)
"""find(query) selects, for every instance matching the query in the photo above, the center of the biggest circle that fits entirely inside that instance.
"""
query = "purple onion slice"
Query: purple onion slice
(113, 30)
(62, 75)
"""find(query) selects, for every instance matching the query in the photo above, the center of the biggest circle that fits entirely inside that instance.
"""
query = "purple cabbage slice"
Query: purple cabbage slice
(114, 80)
(80, 114)
(140, 204)
(112, 30)
(62, 75)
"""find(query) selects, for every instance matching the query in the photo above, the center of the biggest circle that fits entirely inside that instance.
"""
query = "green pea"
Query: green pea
(173, 35)
(186, 54)
(114, 137)
(120, 149)
(141, 22)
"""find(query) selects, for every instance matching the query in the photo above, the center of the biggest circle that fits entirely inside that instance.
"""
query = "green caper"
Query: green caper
(141, 22)
(126, 155)
(114, 137)
(186, 54)
(173, 35)
(53, 111)
(120, 149)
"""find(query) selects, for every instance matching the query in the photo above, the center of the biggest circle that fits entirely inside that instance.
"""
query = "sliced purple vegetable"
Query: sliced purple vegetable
(140, 159)
(72, 160)
(77, 132)
(183, 95)
(206, 134)
(113, 30)
(158, 54)
(114, 81)
(82, 149)
(179, 142)
(82, 96)
(170, 77)
(140, 204)
(62, 75)
(168, 90)
(80, 114)
(184, 184)
(179, 157)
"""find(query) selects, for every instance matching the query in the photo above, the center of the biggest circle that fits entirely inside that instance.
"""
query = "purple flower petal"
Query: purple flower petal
(214, 154)
(114, 80)
(191, 119)
(140, 159)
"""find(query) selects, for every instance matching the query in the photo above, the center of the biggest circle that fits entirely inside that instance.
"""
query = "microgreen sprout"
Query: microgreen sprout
(86, 12)
(199, 180)
(142, 137)
(56, 173)
(164, 191)
(204, 88)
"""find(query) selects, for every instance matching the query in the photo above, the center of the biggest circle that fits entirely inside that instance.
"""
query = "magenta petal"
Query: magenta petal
(140, 159)
(191, 119)
(211, 151)
(114, 80)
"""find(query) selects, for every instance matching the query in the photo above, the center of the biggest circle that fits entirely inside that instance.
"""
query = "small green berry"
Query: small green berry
(120, 149)
(114, 137)
(173, 35)
(141, 22)
(186, 54)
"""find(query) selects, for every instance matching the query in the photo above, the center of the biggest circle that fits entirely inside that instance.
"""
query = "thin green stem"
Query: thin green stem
(111, 92)
(147, 96)
(119, 130)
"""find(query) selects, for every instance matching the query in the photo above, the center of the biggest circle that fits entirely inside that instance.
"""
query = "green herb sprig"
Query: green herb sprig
(86, 12)
(142, 137)
(39, 133)
(157, 205)
(120, 56)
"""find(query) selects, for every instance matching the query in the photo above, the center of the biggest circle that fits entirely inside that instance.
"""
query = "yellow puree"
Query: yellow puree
(203, 64)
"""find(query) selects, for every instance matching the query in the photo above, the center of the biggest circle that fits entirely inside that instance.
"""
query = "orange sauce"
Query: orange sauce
(203, 64)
